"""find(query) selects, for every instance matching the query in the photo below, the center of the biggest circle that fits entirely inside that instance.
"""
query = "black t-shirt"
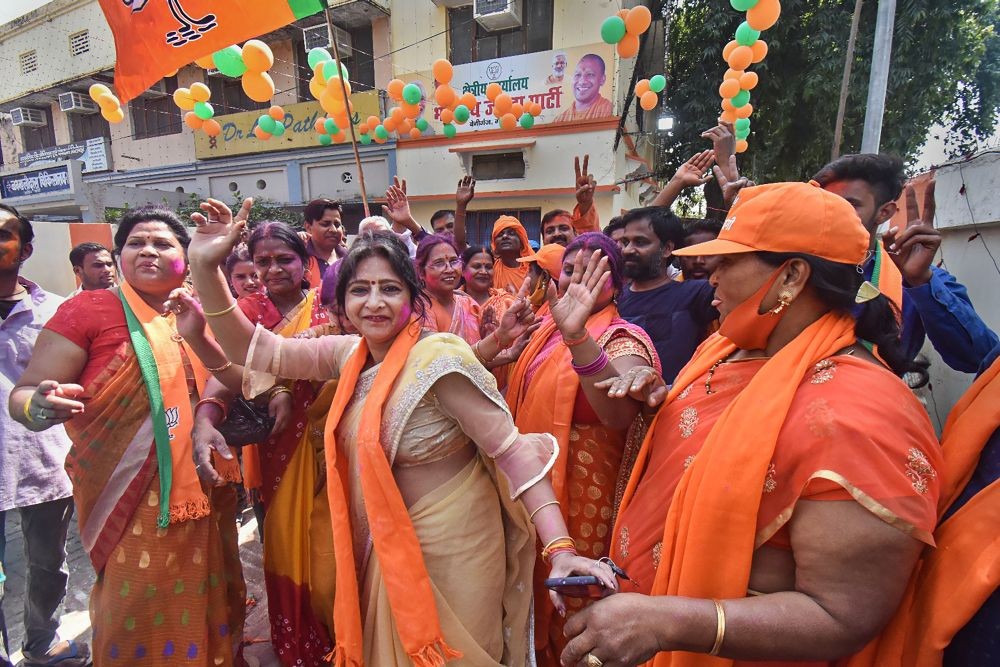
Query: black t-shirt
(6, 307)
(676, 316)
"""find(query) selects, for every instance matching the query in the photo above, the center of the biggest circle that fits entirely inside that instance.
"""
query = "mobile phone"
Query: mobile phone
(577, 587)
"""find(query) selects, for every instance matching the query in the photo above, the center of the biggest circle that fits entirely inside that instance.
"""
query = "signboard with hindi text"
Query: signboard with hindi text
(570, 85)
(237, 137)
(46, 181)
(93, 153)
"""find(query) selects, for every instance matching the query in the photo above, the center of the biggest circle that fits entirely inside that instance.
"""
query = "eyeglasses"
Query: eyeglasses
(441, 264)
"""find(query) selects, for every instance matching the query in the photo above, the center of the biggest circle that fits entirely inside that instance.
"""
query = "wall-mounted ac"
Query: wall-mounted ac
(28, 117)
(317, 36)
(158, 89)
(74, 102)
(497, 14)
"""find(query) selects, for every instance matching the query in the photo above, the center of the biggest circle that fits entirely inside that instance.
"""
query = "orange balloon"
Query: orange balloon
(447, 116)
(410, 110)
(193, 121)
(444, 95)
(728, 116)
(742, 145)
(390, 124)
(331, 104)
(508, 122)
(764, 14)
(502, 104)
(200, 92)
(517, 109)
(205, 62)
(443, 71)
(339, 138)
(395, 89)
(728, 48)
(397, 115)
(258, 86)
(759, 49)
(740, 58)
(727, 105)
(749, 81)
(641, 86)
(378, 140)
(342, 120)
(637, 20)
(492, 91)
(212, 127)
(363, 128)
(622, 14)
(316, 88)
(260, 133)
(320, 125)
(403, 127)
(729, 88)
(257, 56)
(414, 133)
(649, 100)
(629, 46)
(469, 100)
(744, 111)
(276, 112)
(536, 109)
(732, 74)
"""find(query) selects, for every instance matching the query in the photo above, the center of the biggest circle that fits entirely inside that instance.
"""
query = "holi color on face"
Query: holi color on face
(179, 266)
(10, 254)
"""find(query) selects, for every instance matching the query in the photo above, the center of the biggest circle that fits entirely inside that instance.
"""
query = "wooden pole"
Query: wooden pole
(838, 131)
(350, 117)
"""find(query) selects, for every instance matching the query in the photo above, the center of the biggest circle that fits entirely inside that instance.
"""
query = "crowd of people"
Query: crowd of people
(705, 419)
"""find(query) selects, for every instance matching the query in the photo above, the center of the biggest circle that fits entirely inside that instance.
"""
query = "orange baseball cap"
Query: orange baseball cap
(549, 257)
(789, 218)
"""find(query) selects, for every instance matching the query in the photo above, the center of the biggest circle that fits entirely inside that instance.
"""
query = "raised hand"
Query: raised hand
(723, 138)
(691, 174)
(517, 319)
(731, 186)
(466, 191)
(189, 316)
(641, 383)
(397, 206)
(913, 250)
(573, 308)
(217, 232)
(585, 184)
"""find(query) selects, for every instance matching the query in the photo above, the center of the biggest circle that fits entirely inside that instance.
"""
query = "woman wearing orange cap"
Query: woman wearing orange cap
(775, 511)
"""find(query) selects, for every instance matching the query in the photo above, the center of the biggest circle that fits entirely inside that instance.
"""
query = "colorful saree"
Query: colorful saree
(463, 320)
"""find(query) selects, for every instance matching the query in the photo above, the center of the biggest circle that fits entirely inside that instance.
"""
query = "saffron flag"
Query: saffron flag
(154, 38)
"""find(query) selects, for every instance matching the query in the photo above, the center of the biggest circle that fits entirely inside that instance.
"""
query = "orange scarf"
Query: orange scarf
(889, 280)
(708, 536)
(394, 539)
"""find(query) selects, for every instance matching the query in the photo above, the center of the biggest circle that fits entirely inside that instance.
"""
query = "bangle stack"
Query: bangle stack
(277, 389)
(557, 546)
(217, 402)
(720, 627)
(594, 367)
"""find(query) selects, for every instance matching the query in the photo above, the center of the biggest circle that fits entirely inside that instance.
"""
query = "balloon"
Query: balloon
(422, 124)
(502, 104)
(99, 89)
(331, 102)
(732, 74)
(108, 102)
(372, 122)
(742, 134)
(331, 70)
(338, 138)
(508, 122)
(381, 132)
(257, 56)
(414, 133)
(395, 89)
(469, 100)
(742, 124)
(728, 48)
(317, 56)
(749, 81)
(266, 123)
(641, 86)
(744, 111)
(410, 110)
(461, 114)
(325, 139)
(193, 121)
(200, 92)
(759, 49)
(450, 130)
(492, 91)
(412, 94)
(741, 146)
(536, 109)
(764, 14)
(366, 139)
(727, 105)
(743, 5)
(212, 127)
(637, 20)
(229, 61)
(183, 99)
(205, 62)
(517, 109)
(728, 116)
(447, 116)
(389, 124)
(629, 46)
(320, 125)
(649, 100)
(362, 128)
(203, 110)
(740, 58)
(316, 88)
(527, 121)
(612, 30)
(277, 113)
(258, 86)
(729, 88)
(745, 35)
(279, 129)
(741, 98)
(381, 140)
(264, 136)
(658, 83)
(397, 115)
(622, 14)
(443, 71)
(115, 115)
(405, 126)
(444, 95)
(330, 125)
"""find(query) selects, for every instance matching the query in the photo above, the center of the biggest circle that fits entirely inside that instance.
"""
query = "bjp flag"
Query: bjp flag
(156, 37)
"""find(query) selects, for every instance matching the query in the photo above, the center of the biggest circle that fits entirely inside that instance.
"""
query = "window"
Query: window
(79, 43)
(495, 166)
(34, 138)
(228, 96)
(470, 42)
(479, 224)
(29, 62)
(83, 126)
(156, 116)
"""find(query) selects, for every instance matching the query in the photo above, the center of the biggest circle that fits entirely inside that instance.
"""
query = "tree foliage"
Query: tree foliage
(945, 68)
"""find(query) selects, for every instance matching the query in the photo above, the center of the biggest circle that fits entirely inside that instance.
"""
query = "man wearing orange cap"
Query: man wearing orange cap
(727, 531)
(510, 241)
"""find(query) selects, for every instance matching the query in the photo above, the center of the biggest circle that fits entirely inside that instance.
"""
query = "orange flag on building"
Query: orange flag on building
(156, 37)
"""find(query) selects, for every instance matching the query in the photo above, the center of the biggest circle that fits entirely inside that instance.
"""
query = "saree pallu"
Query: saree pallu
(463, 321)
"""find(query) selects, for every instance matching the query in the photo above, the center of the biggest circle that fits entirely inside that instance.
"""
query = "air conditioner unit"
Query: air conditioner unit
(317, 36)
(497, 14)
(74, 102)
(28, 117)
(157, 90)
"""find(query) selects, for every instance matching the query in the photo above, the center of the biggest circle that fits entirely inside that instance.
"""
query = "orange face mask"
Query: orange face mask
(746, 326)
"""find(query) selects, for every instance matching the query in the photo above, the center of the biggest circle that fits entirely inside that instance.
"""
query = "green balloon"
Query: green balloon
(742, 124)
(745, 35)
(203, 110)
(366, 139)
(450, 130)
(743, 5)
(422, 123)
(743, 134)
(612, 30)
(229, 61)
(527, 121)
(461, 114)
(279, 128)
(381, 132)
(317, 56)
(330, 70)
(411, 93)
(325, 139)
(343, 72)
(657, 83)
(741, 98)
(266, 123)
(330, 126)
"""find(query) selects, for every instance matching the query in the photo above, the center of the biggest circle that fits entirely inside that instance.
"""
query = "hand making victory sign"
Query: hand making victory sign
(913, 249)
(585, 184)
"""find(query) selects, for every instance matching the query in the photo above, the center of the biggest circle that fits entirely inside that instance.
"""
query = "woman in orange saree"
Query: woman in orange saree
(169, 583)
(552, 387)
(452, 310)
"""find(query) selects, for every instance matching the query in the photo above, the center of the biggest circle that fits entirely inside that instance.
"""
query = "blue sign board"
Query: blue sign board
(47, 181)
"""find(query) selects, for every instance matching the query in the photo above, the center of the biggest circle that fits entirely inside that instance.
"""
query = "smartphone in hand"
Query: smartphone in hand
(578, 587)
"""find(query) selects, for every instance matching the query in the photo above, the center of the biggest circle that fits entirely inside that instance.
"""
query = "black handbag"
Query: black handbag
(247, 423)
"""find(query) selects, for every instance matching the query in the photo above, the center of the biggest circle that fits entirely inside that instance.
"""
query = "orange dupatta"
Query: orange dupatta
(394, 539)
(505, 277)
(708, 536)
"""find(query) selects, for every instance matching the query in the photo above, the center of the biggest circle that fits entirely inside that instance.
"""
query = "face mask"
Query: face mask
(746, 326)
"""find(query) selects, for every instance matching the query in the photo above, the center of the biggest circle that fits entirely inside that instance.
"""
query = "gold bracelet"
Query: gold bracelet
(531, 517)
(277, 389)
(221, 368)
(231, 308)
(27, 413)
(475, 351)
(720, 627)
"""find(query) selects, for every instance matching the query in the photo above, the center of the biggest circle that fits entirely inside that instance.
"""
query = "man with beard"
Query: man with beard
(559, 226)
(93, 266)
(326, 243)
(588, 102)
(559, 64)
(676, 315)
(699, 231)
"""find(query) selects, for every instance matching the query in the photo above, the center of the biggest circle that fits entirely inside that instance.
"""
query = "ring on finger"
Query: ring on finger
(594, 661)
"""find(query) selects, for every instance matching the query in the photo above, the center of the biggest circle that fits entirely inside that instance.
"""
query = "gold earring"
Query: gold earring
(784, 301)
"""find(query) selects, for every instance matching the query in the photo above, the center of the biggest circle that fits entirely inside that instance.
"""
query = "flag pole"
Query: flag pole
(350, 117)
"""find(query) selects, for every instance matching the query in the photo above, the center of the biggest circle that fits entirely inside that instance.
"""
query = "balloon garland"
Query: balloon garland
(250, 64)
(271, 124)
(647, 90)
(200, 113)
(623, 29)
(744, 50)
(111, 107)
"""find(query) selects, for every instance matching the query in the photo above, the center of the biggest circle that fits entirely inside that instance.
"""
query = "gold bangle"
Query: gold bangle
(475, 351)
(221, 368)
(217, 402)
(231, 308)
(531, 517)
(27, 413)
(277, 389)
(720, 627)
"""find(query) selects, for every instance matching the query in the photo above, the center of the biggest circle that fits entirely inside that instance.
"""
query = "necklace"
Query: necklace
(19, 292)
(715, 366)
